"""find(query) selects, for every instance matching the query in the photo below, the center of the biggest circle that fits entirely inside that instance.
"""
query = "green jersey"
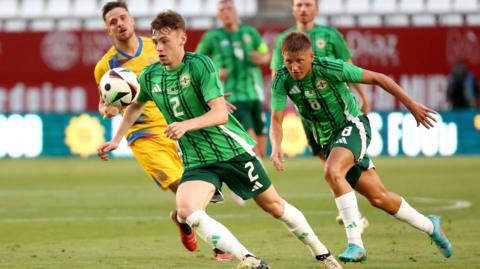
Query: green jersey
(232, 52)
(322, 97)
(183, 93)
(326, 42)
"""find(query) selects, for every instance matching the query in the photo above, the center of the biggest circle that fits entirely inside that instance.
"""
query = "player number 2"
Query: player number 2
(175, 106)
(314, 104)
(347, 131)
(250, 168)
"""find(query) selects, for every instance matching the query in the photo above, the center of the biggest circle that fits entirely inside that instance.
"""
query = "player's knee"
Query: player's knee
(332, 174)
(274, 208)
(380, 200)
(184, 212)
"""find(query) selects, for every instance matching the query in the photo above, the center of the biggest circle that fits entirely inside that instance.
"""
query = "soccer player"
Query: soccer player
(215, 148)
(318, 88)
(238, 51)
(326, 42)
(156, 153)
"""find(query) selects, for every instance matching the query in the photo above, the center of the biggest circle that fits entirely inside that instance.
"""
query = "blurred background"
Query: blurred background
(48, 49)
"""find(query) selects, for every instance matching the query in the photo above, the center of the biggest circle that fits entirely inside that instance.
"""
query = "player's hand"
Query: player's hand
(365, 106)
(176, 130)
(104, 149)
(230, 106)
(277, 158)
(423, 115)
(109, 111)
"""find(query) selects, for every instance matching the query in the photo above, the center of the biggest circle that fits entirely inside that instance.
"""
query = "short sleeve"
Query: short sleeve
(338, 70)
(207, 77)
(340, 47)
(277, 59)
(144, 94)
(279, 94)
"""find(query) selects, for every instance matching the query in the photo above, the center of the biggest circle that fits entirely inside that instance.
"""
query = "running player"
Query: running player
(318, 88)
(326, 42)
(215, 148)
(156, 153)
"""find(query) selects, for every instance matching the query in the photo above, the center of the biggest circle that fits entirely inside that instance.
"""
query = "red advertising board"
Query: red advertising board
(53, 71)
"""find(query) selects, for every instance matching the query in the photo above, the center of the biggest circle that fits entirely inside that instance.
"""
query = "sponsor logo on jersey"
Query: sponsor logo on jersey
(321, 43)
(294, 90)
(321, 84)
(156, 88)
(185, 80)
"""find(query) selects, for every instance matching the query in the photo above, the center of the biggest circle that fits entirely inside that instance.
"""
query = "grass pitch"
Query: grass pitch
(73, 213)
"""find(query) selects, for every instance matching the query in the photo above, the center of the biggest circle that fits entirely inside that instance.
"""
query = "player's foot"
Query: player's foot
(353, 253)
(439, 237)
(327, 261)
(363, 222)
(251, 262)
(187, 234)
(222, 256)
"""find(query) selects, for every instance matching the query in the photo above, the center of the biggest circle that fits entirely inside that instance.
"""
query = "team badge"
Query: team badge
(321, 43)
(247, 38)
(321, 84)
(185, 80)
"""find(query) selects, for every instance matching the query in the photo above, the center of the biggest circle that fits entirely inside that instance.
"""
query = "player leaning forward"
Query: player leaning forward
(215, 148)
(317, 87)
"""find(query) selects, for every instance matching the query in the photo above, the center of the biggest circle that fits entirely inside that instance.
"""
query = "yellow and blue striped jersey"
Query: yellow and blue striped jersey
(151, 122)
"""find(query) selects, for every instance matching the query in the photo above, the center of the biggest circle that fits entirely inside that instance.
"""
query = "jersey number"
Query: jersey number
(175, 106)
(314, 104)
(250, 168)
(347, 131)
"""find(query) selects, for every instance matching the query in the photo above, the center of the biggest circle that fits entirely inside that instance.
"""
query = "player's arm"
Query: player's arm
(131, 114)
(422, 114)
(260, 55)
(278, 104)
(217, 115)
(276, 137)
(364, 103)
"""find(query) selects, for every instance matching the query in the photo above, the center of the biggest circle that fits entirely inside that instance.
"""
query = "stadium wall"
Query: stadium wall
(52, 72)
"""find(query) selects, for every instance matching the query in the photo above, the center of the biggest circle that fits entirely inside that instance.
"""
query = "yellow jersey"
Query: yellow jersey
(151, 122)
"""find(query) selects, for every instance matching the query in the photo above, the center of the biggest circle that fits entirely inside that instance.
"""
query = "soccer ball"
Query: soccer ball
(119, 87)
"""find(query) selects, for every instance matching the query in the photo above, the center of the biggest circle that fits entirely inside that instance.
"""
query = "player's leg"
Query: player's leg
(339, 161)
(294, 220)
(248, 179)
(160, 160)
(193, 195)
(259, 122)
(318, 151)
(370, 186)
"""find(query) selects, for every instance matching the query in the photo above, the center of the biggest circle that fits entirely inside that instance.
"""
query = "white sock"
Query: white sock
(408, 214)
(348, 208)
(214, 233)
(296, 223)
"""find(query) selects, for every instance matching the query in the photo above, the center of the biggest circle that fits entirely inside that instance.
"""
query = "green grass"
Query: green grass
(76, 213)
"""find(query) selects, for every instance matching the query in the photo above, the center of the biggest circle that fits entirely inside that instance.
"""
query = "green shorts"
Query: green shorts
(243, 174)
(251, 115)
(355, 136)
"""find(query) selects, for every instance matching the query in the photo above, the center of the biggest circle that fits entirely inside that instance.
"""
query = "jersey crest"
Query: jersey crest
(321, 84)
(321, 43)
(185, 80)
